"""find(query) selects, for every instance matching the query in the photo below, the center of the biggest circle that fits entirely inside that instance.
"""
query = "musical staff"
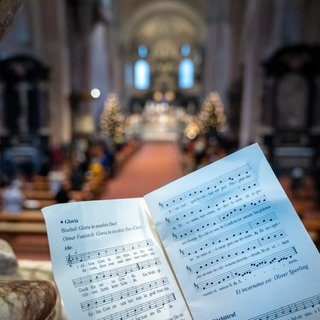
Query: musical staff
(158, 303)
(209, 207)
(304, 304)
(255, 204)
(247, 269)
(122, 294)
(86, 256)
(237, 252)
(116, 272)
(238, 176)
(241, 230)
(209, 224)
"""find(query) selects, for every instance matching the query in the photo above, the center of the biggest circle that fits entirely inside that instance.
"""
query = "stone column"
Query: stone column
(311, 25)
(116, 60)
(52, 48)
(3, 129)
(256, 37)
(100, 73)
(106, 68)
(8, 11)
(218, 51)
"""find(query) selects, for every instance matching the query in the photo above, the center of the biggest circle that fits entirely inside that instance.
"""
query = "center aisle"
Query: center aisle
(154, 165)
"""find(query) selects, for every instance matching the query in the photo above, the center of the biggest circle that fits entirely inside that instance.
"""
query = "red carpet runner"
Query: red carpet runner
(154, 165)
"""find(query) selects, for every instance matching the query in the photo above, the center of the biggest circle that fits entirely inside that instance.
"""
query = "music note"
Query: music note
(307, 303)
(116, 272)
(143, 307)
(69, 260)
(244, 175)
(86, 256)
(248, 268)
(126, 293)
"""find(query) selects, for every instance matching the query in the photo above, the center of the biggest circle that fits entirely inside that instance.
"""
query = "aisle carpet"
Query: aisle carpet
(154, 165)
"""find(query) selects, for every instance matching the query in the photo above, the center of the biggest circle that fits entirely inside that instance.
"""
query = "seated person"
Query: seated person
(12, 197)
(63, 194)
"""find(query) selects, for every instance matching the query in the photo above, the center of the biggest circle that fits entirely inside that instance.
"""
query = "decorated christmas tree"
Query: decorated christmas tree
(112, 119)
(212, 116)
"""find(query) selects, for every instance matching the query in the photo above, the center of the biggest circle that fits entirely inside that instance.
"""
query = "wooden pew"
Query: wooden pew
(26, 233)
(25, 222)
(38, 194)
(26, 216)
(30, 204)
(13, 228)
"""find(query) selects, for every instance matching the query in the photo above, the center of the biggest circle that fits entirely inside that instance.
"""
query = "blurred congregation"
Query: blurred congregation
(85, 86)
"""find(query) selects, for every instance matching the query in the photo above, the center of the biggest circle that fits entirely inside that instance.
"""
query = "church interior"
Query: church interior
(107, 99)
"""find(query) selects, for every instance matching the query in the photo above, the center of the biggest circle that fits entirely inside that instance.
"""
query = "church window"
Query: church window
(186, 73)
(185, 50)
(186, 68)
(142, 51)
(142, 70)
(141, 74)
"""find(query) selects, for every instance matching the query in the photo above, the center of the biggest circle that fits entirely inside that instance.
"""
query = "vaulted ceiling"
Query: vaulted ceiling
(149, 21)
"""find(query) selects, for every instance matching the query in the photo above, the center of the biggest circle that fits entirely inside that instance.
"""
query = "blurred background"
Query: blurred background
(61, 58)
(84, 84)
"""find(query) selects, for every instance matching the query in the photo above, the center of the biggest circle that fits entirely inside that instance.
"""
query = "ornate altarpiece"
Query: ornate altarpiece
(291, 107)
(24, 101)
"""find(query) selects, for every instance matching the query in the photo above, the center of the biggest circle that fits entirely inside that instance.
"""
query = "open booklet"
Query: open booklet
(223, 242)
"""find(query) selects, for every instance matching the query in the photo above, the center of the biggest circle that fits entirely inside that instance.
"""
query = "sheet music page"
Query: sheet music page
(236, 244)
(108, 264)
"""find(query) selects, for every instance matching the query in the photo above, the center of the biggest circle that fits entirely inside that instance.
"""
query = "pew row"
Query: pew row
(27, 234)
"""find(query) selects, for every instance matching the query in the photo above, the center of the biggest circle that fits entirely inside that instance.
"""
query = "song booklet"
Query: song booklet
(223, 242)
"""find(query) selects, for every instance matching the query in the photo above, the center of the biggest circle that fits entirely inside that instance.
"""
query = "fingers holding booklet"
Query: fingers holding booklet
(223, 242)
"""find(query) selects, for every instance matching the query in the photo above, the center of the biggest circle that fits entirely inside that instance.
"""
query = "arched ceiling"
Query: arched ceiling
(165, 25)
(149, 21)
